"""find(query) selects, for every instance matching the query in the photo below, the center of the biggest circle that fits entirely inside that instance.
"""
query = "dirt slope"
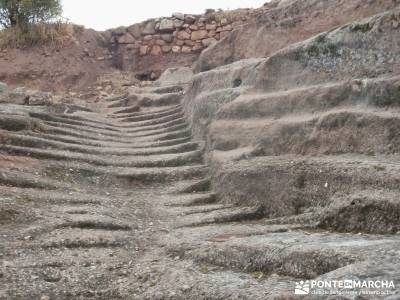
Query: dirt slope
(75, 64)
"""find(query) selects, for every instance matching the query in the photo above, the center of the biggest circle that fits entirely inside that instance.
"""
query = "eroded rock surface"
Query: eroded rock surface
(233, 183)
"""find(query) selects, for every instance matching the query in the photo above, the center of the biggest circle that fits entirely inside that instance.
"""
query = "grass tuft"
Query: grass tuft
(55, 34)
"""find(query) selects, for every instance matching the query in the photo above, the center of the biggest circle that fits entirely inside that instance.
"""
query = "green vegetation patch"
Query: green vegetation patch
(321, 47)
(365, 27)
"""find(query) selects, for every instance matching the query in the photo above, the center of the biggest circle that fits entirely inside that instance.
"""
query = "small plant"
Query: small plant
(321, 46)
(362, 27)
(313, 50)
(237, 82)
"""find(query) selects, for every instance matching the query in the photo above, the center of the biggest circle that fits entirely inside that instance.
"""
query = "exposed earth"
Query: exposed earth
(234, 176)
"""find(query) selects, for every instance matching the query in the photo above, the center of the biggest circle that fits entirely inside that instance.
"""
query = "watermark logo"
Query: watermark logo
(302, 288)
(345, 287)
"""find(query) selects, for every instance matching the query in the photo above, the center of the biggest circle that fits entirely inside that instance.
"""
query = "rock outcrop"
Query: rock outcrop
(334, 94)
(282, 23)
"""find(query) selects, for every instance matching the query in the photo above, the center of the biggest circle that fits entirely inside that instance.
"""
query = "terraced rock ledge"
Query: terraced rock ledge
(234, 183)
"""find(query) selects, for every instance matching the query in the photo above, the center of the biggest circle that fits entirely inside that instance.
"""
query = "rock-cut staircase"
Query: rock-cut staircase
(117, 203)
(80, 194)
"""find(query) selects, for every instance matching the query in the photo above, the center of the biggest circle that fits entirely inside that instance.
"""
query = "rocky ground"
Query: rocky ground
(115, 202)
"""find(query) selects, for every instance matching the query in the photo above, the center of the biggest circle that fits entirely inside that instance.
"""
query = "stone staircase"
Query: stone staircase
(119, 204)
(74, 190)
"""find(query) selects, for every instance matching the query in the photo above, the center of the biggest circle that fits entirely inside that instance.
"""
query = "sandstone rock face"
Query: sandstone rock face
(40, 98)
(25, 96)
(19, 96)
(175, 76)
(283, 123)
(283, 24)
(211, 90)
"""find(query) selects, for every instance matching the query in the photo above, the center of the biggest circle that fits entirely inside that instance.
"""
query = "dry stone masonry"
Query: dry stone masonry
(180, 33)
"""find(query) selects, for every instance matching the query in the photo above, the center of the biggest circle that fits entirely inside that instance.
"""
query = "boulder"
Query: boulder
(160, 42)
(179, 16)
(24, 96)
(175, 76)
(183, 35)
(135, 31)
(147, 38)
(190, 19)
(224, 34)
(199, 35)
(178, 23)
(167, 25)
(211, 26)
(19, 96)
(143, 50)
(167, 37)
(224, 21)
(186, 49)
(208, 42)
(212, 33)
(224, 28)
(190, 43)
(40, 98)
(119, 31)
(156, 50)
(197, 47)
(133, 46)
(176, 49)
(149, 28)
(166, 49)
(126, 39)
